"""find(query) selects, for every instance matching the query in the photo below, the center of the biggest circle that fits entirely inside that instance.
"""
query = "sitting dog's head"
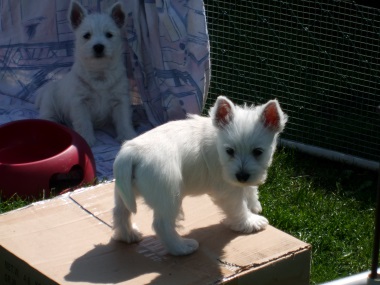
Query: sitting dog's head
(246, 139)
(98, 36)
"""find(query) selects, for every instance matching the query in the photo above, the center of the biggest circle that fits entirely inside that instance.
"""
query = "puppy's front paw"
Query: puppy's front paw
(253, 223)
(88, 136)
(184, 247)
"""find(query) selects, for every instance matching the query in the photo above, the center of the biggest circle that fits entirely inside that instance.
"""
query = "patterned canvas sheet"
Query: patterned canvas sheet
(167, 58)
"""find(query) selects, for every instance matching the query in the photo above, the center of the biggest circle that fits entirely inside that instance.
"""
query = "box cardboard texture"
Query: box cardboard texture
(66, 240)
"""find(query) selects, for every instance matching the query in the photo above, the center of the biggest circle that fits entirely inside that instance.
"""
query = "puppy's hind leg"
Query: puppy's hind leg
(47, 112)
(122, 225)
(162, 194)
(46, 103)
(164, 224)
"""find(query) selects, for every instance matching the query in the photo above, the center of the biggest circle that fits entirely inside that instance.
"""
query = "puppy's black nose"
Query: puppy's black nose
(98, 49)
(242, 176)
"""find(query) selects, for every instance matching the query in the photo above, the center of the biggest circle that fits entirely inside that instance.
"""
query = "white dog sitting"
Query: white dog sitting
(226, 156)
(95, 91)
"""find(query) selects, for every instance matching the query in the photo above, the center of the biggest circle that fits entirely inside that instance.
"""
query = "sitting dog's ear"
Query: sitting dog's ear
(272, 116)
(222, 113)
(77, 14)
(117, 14)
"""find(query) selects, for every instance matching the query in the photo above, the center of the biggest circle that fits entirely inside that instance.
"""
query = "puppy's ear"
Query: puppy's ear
(77, 14)
(222, 113)
(272, 116)
(118, 15)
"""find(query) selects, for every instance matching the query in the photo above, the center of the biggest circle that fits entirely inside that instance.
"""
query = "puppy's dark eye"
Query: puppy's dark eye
(230, 151)
(87, 36)
(109, 35)
(257, 152)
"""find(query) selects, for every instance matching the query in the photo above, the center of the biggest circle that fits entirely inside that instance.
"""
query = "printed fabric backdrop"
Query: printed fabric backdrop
(167, 56)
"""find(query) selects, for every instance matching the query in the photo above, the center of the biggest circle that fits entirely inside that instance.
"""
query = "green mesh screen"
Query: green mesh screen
(320, 59)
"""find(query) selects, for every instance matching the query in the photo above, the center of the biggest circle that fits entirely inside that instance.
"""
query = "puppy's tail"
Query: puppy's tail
(123, 172)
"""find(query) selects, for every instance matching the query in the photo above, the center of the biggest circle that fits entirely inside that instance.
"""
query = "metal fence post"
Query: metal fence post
(376, 239)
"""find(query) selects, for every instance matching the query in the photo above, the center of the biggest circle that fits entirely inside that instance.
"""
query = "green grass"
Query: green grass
(13, 203)
(329, 205)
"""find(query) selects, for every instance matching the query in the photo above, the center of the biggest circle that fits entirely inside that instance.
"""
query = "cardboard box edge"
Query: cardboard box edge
(15, 271)
(247, 274)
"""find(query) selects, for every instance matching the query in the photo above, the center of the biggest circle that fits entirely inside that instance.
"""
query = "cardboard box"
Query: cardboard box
(66, 240)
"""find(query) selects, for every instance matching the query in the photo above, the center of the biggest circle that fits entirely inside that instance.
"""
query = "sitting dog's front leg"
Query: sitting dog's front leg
(81, 120)
(122, 120)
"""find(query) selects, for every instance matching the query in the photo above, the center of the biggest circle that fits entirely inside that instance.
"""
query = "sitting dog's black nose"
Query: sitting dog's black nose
(242, 176)
(98, 49)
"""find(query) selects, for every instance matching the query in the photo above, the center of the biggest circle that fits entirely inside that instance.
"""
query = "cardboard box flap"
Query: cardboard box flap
(226, 250)
(68, 240)
(49, 235)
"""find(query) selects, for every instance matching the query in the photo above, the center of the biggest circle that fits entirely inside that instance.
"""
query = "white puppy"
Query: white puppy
(95, 91)
(225, 155)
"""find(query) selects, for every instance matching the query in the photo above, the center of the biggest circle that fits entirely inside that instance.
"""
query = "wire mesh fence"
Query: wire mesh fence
(320, 59)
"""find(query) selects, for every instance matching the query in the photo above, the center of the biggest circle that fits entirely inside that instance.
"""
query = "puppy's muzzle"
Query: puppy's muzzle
(98, 50)
(242, 176)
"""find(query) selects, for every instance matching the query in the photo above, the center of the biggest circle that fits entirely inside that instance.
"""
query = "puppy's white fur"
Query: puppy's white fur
(225, 155)
(95, 91)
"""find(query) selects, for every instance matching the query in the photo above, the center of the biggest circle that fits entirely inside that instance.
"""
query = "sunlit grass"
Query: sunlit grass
(13, 203)
(328, 205)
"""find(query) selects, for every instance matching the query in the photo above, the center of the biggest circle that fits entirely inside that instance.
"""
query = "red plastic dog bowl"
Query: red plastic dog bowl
(39, 155)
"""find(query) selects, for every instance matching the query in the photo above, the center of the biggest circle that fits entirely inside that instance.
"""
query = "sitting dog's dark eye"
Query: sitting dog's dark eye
(87, 36)
(109, 35)
(230, 151)
(257, 152)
